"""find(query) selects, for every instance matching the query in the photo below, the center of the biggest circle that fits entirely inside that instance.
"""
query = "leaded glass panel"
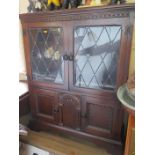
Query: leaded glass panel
(96, 51)
(46, 54)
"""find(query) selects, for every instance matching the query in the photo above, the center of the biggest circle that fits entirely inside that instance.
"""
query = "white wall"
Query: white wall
(22, 67)
(22, 9)
(23, 6)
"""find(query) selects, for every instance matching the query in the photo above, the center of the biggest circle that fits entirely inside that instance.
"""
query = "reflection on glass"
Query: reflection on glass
(46, 51)
(96, 51)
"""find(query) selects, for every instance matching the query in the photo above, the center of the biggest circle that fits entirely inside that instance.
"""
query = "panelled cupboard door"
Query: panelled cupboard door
(70, 106)
(100, 117)
(100, 51)
(44, 105)
(46, 49)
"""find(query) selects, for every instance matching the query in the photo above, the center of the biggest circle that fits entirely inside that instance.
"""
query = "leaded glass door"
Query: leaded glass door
(96, 53)
(47, 47)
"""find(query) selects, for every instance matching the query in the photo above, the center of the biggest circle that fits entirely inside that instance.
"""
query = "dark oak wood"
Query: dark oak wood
(103, 12)
(98, 115)
(70, 110)
(94, 114)
(44, 105)
(24, 105)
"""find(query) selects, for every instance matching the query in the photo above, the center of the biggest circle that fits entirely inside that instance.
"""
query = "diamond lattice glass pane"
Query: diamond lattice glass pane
(46, 54)
(96, 51)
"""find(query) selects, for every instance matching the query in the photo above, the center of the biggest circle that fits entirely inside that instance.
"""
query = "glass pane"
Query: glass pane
(96, 51)
(46, 54)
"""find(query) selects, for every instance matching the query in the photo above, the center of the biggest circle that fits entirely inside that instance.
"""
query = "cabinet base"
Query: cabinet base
(111, 146)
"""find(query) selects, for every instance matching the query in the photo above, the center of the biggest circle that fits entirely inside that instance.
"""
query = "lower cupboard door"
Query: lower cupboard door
(101, 118)
(44, 105)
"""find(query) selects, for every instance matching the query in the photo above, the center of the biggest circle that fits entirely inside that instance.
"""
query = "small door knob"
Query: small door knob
(71, 57)
(85, 115)
(56, 110)
(68, 57)
(65, 57)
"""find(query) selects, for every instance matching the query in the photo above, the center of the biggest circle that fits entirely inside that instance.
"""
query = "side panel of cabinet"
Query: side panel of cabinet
(101, 117)
(44, 105)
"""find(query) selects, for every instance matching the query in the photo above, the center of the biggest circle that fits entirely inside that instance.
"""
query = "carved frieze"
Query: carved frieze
(68, 17)
(77, 14)
(68, 98)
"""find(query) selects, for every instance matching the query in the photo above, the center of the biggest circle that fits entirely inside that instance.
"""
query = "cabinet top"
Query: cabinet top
(110, 11)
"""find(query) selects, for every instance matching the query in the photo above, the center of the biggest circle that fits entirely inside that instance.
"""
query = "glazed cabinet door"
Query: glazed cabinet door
(44, 106)
(45, 52)
(100, 117)
(100, 54)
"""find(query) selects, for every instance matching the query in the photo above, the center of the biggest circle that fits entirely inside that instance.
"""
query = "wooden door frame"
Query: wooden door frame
(55, 118)
(42, 84)
(124, 55)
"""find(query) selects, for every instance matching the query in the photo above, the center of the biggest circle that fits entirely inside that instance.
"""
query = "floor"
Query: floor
(62, 145)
